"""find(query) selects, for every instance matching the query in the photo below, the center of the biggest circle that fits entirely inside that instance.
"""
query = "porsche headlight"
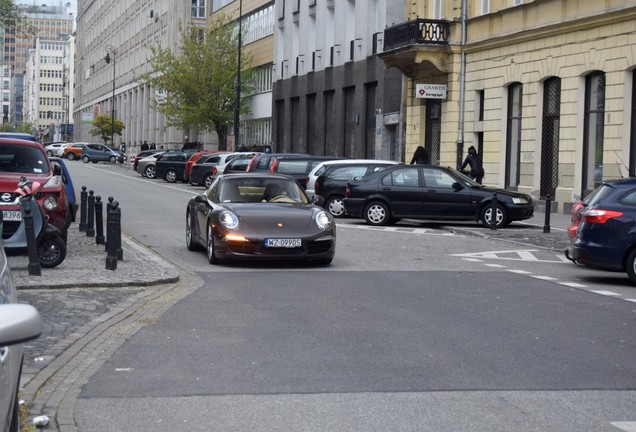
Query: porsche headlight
(520, 200)
(229, 220)
(322, 220)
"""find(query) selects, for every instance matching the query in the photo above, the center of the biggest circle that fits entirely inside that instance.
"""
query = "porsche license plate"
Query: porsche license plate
(11, 215)
(283, 243)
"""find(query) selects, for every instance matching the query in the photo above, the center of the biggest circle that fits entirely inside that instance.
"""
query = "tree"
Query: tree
(200, 81)
(103, 127)
(11, 17)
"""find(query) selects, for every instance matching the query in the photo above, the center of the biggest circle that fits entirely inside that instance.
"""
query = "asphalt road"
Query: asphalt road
(405, 331)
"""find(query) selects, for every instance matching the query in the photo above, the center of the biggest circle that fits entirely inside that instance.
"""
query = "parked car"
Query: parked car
(320, 168)
(60, 166)
(18, 135)
(431, 193)
(331, 184)
(142, 154)
(19, 323)
(20, 158)
(298, 167)
(170, 165)
(263, 162)
(603, 229)
(102, 153)
(237, 165)
(208, 166)
(73, 151)
(56, 148)
(146, 165)
(256, 217)
(194, 159)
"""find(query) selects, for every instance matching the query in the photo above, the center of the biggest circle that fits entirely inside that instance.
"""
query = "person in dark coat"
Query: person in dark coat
(420, 156)
(144, 146)
(476, 166)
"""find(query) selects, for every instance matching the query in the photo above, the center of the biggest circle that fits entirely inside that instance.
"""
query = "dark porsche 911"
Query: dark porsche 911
(259, 216)
(431, 193)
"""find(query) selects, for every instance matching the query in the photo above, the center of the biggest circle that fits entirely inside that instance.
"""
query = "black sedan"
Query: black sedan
(259, 216)
(431, 193)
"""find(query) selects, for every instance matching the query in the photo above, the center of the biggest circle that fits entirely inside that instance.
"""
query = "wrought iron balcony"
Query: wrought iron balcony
(416, 32)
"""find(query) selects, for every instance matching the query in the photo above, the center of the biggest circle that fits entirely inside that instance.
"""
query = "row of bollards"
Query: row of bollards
(92, 222)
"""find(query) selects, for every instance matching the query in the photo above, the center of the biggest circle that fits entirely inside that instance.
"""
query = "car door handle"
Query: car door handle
(386, 188)
(431, 190)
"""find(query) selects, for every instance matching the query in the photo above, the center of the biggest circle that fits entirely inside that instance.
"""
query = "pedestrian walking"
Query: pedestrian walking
(144, 146)
(476, 166)
(421, 156)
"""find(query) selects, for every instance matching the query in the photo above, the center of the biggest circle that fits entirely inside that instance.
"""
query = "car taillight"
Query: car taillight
(251, 165)
(576, 220)
(273, 168)
(599, 216)
(316, 185)
(347, 192)
(214, 171)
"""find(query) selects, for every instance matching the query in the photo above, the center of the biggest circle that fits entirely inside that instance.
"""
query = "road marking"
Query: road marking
(626, 426)
(403, 230)
(573, 284)
(524, 272)
(512, 255)
(495, 265)
(545, 278)
(607, 293)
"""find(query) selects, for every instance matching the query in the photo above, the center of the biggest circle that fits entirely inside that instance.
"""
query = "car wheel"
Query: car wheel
(630, 265)
(51, 251)
(86, 159)
(49, 153)
(71, 156)
(501, 219)
(150, 171)
(210, 245)
(171, 176)
(335, 205)
(112, 159)
(207, 181)
(190, 243)
(377, 213)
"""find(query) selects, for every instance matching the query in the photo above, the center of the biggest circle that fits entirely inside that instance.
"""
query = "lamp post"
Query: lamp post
(237, 106)
(66, 113)
(111, 49)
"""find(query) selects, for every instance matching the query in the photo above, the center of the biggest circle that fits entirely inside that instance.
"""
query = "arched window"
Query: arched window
(593, 130)
(513, 135)
(550, 136)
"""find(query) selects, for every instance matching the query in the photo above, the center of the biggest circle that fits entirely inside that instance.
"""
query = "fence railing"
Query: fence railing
(418, 31)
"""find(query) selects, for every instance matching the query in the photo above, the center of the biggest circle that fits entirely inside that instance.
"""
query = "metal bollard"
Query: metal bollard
(109, 206)
(83, 199)
(34, 264)
(99, 221)
(90, 225)
(111, 232)
(118, 249)
(548, 209)
(493, 212)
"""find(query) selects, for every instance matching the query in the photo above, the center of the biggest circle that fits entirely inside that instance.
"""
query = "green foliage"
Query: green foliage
(103, 127)
(200, 81)
(11, 17)
(26, 127)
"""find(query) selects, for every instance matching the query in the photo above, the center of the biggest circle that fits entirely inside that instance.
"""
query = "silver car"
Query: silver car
(146, 165)
(18, 323)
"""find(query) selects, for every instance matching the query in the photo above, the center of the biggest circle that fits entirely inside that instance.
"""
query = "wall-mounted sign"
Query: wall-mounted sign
(430, 91)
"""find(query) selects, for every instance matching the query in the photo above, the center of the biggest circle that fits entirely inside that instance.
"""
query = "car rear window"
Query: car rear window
(348, 172)
(23, 159)
(292, 167)
(597, 195)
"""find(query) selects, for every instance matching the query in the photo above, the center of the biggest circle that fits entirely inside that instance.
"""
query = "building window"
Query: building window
(550, 136)
(198, 8)
(259, 24)
(485, 7)
(513, 135)
(593, 130)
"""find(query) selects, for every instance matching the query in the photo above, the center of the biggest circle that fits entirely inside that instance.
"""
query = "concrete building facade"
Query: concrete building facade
(544, 89)
(257, 23)
(332, 94)
(48, 102)
(124, 30)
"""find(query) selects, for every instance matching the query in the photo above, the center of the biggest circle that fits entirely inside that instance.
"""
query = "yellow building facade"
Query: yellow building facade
(543, 89)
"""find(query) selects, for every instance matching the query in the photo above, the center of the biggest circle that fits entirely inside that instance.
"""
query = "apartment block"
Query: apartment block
(332, 94)
(544, 89)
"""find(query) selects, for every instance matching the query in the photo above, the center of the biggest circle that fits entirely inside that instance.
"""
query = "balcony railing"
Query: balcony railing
(418, 31)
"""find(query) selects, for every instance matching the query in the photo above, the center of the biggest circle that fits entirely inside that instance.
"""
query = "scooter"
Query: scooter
(51, 248)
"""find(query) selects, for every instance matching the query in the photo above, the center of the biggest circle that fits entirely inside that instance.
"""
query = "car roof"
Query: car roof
(7, 140)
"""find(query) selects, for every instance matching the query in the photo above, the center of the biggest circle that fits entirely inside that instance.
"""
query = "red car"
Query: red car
(193, 159)
(21, 158)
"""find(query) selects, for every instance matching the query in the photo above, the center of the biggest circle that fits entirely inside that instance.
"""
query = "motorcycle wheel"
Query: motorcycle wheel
(51, 251)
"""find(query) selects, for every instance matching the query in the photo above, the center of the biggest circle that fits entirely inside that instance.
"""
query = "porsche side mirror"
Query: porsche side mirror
(201, 199)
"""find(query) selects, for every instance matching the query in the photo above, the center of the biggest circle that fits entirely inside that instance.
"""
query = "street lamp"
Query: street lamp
(237, 106)
(111, 49)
